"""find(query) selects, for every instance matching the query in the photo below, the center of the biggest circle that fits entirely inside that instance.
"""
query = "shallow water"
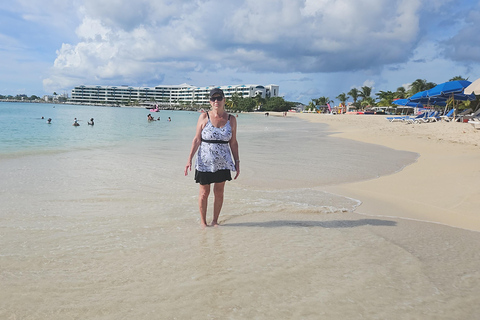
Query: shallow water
(100, 223)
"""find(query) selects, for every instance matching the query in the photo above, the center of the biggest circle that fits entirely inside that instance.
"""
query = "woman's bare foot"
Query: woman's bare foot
(214, 224)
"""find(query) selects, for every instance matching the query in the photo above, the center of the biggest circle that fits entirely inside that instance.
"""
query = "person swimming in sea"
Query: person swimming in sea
(75, 123)
(91, 123)
(49, 120)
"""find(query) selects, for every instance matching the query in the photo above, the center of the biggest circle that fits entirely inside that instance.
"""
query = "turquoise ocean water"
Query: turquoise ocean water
(101, 223)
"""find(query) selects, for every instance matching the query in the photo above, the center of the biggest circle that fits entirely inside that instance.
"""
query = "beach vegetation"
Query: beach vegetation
(323, 101)
(366, 95)
(458, 78)
(259, 101)
(342, 97)
(311, 106)
(420, 85)
(385, 98)
(354, 93)
(21, 97)
(401, 93)
(278, 104)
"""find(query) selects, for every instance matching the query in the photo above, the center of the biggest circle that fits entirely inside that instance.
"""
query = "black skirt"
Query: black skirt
(212, 177)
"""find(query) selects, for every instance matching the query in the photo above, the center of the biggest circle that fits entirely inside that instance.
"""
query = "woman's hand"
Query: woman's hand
(188, 167)
(237, 168)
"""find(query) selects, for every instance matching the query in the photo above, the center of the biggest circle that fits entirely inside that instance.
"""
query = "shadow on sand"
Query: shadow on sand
(322, 224)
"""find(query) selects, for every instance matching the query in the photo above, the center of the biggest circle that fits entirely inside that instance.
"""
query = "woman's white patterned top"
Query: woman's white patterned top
(213, 156)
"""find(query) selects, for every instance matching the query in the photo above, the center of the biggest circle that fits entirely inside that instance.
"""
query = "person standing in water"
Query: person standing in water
(216, 142)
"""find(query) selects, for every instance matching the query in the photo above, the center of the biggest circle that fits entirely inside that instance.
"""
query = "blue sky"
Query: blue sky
(310, 48)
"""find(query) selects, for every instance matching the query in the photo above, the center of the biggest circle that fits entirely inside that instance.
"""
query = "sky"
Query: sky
(310, 48)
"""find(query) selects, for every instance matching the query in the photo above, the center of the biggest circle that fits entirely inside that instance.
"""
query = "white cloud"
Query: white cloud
(116, 36)
(147, 41)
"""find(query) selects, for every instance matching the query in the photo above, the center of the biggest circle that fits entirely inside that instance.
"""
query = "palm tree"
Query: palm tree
(458, 78)
(354, 93)
(233, 101)
(323, 101)
(420, 85)
(342, 97)
(259, 101)
(365, 92)
(385, 98)
(368, 101)
(316, 102)
(401, 93)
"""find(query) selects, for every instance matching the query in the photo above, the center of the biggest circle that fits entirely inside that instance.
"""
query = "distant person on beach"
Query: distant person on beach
(216, 142)
(91, 123)
(75, 123)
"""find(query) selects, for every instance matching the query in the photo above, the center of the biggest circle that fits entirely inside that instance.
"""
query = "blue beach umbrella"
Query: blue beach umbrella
(407, 103)
(419, 97)
(451, 89)
(423, 98)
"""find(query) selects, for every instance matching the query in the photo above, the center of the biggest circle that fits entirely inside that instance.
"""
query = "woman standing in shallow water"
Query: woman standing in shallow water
(216, 141)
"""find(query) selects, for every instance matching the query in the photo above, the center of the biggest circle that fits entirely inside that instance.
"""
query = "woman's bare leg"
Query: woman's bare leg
(202, 203)
(218, 190)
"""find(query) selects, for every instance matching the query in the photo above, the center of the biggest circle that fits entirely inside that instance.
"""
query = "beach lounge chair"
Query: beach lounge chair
(397, 119)
(474, 116)
(434, 117)
(459, 117)
(448, 116)
(475, 124)
(415, 119)
(429, 117)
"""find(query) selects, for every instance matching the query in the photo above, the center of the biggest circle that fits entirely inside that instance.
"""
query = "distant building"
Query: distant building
(174, 94)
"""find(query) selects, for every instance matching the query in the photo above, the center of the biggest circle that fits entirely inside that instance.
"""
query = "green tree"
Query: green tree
(401, 93)
(246, 104)
(311, 106)
(323, 101)
(368, 101)
(458, 78)
(342, 97)
(385, 98)
(354, 93)
(365, 92)
(278, 104)
(259, 101)
(420, 85)
(233, 102)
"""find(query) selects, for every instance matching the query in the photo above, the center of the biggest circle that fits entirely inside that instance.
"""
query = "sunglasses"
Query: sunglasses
(216, 98)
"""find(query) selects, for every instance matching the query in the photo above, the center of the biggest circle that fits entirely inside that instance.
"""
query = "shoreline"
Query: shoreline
(441, 187)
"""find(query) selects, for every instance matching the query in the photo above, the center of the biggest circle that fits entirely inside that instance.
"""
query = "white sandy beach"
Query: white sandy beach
(443, 186)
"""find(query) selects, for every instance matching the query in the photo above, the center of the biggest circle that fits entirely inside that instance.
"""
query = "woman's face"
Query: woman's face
(217, 101)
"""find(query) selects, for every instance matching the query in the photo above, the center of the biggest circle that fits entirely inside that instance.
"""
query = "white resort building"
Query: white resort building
(172, 95)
